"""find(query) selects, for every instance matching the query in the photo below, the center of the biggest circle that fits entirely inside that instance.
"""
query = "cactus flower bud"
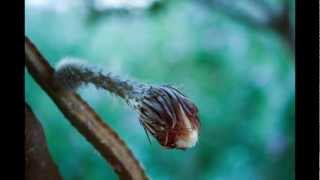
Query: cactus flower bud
(169, 116)
(163, 111)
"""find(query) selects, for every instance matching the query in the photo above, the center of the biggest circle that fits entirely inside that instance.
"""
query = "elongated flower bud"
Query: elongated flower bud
(163, 111)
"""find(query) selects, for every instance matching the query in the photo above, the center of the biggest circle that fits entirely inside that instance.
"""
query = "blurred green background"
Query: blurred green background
(239, 72)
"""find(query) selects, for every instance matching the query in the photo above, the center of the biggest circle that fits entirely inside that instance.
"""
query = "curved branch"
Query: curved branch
(83, 118)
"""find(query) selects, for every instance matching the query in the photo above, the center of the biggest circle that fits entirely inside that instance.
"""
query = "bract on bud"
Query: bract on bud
(169, 116)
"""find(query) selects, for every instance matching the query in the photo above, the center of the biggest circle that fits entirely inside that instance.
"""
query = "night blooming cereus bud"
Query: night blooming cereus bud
(163, 111)
(169, 116)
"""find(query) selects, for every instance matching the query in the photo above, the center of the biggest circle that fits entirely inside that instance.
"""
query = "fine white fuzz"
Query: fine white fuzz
(67, 61)
(73, 73)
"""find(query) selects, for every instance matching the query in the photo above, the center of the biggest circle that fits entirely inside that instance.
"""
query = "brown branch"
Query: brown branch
(83, 118)
(39, 164)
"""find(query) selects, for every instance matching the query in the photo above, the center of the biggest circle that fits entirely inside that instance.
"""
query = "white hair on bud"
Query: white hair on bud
(189, 141)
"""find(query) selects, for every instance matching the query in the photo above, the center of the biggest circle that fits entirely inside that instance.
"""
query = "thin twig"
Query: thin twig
(83, 118)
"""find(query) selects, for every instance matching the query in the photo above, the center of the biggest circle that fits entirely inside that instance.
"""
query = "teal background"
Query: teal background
(240, 77)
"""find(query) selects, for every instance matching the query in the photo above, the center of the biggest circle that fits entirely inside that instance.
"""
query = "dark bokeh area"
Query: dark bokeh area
(234, 60)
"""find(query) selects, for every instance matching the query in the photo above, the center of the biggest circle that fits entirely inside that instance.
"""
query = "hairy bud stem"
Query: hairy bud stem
(72, 73)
